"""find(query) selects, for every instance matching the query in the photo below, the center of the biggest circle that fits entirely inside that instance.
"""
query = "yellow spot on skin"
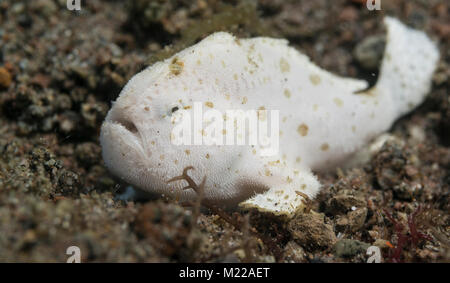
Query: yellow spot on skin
(235, 76)
(224, 131)
(324, 147)
(338, 102)
(209, 104)
(254, 151)
(176, 66)
(252, 63)
(244, 100)
(223, 64)
(227, 96)
(287, 93)
(187, 151)
(274, 163)
(303, 130)
(161, 157)
(199, 62)
(298, 159)
(315, 79)
(267, 173)
(200, 81)
(284, 119)
(284, 66)
(207, 156)
(153, 142)
(262, 115)
(146, 108)
(303, 186)
(175, 161)
(315, 107)
(187, 107)
(354, 129)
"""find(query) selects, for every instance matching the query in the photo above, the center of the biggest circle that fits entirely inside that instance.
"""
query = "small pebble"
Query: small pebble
(5, 78)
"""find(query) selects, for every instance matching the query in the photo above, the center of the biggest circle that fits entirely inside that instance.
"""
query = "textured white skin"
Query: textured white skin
(222, 70)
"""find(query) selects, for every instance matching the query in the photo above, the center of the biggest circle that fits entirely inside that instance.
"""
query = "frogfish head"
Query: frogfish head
(137, 139)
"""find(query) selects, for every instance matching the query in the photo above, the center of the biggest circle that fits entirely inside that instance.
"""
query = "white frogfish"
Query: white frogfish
(320, 119)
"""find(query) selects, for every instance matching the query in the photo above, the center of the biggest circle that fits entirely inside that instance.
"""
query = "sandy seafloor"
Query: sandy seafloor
(60, 69)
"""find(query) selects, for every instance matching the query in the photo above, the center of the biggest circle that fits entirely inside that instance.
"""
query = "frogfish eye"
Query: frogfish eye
(174, 109)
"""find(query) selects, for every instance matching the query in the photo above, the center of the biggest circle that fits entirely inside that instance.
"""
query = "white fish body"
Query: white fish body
(322, 120)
